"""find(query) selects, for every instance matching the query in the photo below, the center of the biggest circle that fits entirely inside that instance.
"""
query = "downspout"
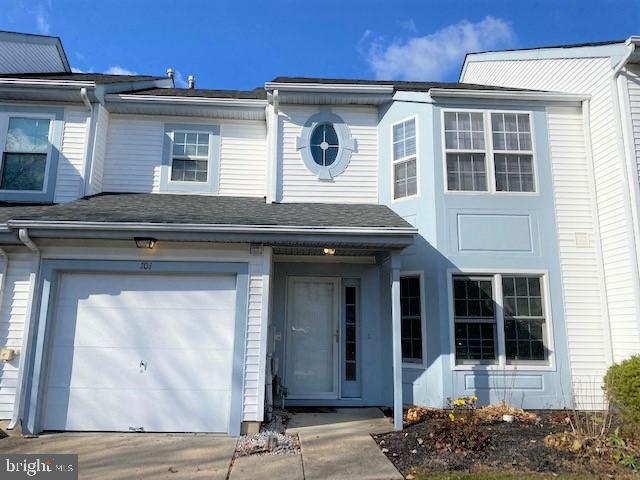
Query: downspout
(273, 124)
(88, 144)
(630, 179)
(23, 235)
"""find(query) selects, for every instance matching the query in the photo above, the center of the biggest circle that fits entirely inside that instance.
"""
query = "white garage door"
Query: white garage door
(141, 351)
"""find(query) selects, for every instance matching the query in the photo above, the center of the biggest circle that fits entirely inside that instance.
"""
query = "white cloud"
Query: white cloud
(118, 70)
(77, 70)
(42, 20)
(433, 56)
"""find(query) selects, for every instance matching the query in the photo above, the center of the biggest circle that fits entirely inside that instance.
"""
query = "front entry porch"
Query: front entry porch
(335, 331)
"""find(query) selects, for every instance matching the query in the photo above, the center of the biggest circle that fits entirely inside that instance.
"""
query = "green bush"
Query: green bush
(622, 385)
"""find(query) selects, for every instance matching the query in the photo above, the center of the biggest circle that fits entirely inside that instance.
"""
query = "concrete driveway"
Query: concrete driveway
(135, 456)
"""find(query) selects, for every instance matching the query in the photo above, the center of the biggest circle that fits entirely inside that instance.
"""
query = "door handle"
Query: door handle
(337, 336)
(143, 366)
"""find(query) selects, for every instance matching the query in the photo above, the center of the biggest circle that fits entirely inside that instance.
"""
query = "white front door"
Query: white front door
(312, 346)
(132, 351)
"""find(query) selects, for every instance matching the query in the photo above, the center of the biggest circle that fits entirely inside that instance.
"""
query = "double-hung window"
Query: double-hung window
(465, 151)
(190, 157)
(475, 320)
(489, 151)
(411, 318)
(405, 173)
(524, 319)
(24, 159)
(478, 317)
(513, 152)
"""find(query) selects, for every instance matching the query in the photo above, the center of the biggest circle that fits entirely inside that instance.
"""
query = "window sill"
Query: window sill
(414, 365)
(511, 368)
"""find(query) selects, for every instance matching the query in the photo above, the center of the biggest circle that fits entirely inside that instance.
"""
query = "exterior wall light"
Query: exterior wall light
(145, 242)
(329, 251)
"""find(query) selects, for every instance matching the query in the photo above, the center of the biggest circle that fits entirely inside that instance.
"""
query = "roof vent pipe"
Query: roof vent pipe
(171, 73)
(191, 81)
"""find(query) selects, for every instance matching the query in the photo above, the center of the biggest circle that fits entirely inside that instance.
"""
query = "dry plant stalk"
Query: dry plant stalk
(590, 415)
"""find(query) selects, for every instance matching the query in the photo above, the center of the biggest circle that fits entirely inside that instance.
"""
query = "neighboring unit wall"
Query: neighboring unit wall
(582, 277)
(135, 148)
(357, 184)
(590, 76)
(632, 74)
(13, 308)
(69, 183)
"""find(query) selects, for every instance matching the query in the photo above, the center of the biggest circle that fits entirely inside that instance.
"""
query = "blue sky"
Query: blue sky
(241, 44)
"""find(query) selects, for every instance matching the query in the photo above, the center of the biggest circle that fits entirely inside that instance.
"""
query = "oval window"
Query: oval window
(324, 144)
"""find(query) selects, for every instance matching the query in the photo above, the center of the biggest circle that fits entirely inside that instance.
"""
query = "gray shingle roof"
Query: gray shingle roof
(398, 85)
(11, 210)
(97, 78)
(214, 210)
(257, 93)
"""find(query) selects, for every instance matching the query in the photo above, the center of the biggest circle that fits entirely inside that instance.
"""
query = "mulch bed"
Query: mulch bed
(510, 447)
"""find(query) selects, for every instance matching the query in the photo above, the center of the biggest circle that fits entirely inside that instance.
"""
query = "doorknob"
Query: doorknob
(143, 365)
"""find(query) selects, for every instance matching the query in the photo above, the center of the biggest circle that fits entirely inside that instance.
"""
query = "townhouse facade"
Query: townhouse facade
(184, 259)
(608, 73)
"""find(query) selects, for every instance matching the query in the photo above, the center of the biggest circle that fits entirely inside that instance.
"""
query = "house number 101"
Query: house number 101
(145, 265)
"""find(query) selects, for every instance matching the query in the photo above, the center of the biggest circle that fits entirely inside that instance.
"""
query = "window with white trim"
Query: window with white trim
(411, 318)
(513, 152)
(190, 157)
(477, 319)
(465, 151)
(405, 174)
(24, 159)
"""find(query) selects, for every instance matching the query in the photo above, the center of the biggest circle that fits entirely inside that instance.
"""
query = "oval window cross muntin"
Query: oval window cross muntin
(346, 144)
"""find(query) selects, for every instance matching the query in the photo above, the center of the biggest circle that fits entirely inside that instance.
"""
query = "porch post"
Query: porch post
(396, 338)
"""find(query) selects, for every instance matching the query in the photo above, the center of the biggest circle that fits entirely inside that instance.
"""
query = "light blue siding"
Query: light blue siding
(480, 233)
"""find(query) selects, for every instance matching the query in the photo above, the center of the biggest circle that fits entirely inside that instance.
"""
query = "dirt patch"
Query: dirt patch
(510, 447)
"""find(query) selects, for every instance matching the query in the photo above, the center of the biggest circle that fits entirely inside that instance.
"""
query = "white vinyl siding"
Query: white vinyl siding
(243, 159)
(69, 182)
(633, 87)
(255, 355)
(13, 309)
(582, 281)
(99, 149)
(135, 148)
(19, 55)
(357, 184)
(589, 76)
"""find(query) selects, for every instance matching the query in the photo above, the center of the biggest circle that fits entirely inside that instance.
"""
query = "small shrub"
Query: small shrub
(622, 385)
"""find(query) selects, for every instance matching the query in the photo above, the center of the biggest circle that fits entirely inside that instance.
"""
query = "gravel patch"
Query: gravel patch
(271, 440)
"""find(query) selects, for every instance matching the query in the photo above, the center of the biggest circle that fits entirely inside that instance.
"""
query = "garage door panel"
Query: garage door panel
(116, 368)
(141, 350)
(118, 410)
(168, 327)
(167, 291)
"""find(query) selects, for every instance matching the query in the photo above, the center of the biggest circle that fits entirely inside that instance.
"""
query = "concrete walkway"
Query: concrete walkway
(338, 445)
(135, 456)
(334, 446)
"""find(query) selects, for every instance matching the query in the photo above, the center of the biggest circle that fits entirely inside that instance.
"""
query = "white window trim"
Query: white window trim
(501, 364)
(4, 130)
(423, 320)
(489, 153)
(404, 159)
(187, 157)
